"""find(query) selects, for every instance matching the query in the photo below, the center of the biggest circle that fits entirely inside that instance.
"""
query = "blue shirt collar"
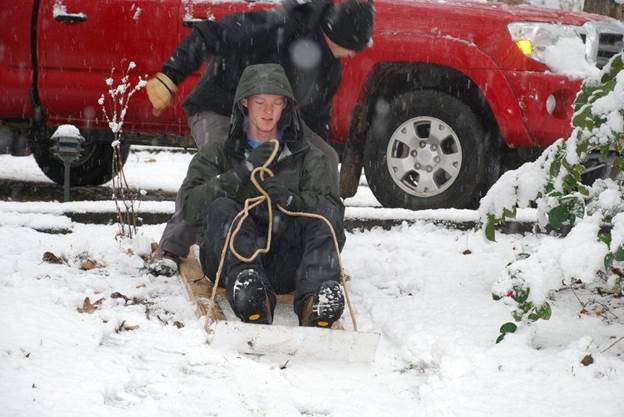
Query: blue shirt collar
(255, 143)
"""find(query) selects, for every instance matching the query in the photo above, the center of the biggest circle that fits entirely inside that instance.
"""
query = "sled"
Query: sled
(284, 338)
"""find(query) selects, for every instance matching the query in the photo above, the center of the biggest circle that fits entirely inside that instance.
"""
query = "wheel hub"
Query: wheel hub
(424, 156)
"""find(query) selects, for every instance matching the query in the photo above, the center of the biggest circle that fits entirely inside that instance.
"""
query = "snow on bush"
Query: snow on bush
(552, 183)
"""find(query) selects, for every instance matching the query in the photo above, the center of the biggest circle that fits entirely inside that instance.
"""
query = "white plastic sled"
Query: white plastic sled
(284, 338)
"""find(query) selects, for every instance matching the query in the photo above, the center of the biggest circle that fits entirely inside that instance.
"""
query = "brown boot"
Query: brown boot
(306, 311)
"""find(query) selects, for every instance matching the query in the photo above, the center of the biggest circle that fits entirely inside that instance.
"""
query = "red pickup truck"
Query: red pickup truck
(447, 89)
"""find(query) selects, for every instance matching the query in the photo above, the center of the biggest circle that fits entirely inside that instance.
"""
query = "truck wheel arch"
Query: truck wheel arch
(392, 79)
(94, 167)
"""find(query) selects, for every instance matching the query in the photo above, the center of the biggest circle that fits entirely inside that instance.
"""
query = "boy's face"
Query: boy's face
(264, 112)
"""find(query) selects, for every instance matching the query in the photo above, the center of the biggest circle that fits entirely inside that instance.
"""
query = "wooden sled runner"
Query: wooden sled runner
(283, 338)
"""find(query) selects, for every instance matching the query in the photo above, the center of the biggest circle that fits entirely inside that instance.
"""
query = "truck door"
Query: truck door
(80, 41)
(16, 70)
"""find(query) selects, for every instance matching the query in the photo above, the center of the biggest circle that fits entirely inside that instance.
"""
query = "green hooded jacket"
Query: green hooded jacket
(301, 167)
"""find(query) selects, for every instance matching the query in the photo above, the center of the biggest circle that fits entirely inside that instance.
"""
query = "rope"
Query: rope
(238, 220)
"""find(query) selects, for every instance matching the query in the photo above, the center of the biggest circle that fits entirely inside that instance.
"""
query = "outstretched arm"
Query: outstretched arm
(203, 42)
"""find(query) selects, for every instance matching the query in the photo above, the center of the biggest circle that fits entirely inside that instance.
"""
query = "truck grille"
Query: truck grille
(603, 40)
(609, 45)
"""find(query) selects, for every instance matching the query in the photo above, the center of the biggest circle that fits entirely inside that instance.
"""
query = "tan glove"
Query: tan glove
(160, 91)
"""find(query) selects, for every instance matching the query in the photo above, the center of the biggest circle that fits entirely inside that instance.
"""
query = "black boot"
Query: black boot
(251, 297)
(163, 263)
(323, 308)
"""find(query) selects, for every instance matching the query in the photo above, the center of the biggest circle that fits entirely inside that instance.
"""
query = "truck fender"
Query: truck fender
(467, 59)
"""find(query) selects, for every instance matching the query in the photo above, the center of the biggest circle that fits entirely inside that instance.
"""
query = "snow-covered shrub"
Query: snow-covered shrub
(552, 183)
(114, 107)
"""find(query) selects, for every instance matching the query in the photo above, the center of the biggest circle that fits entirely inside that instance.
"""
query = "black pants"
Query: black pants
(302, 254)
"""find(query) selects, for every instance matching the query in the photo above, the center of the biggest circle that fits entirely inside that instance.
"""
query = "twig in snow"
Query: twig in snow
(577, 297)
(613, 344)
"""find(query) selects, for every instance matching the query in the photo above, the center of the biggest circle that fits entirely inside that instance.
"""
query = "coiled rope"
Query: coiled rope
(237, 223)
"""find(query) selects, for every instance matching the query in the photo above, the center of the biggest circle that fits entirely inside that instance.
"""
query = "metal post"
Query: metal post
(66, 182)
(67, 147)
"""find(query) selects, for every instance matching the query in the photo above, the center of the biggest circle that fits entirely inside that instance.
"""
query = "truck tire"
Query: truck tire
(94, 167)
(427, 150)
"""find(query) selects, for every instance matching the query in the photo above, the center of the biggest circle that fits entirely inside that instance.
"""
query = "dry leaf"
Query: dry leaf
(467, 252)
(599, 310)
(587, 359)
(142, 285)
(88, 264)
(120, 295)
(616, 292)
(123, 327)
(88, 307)
(154, 246)
(130, 252)
(178, 324)
(51, 258)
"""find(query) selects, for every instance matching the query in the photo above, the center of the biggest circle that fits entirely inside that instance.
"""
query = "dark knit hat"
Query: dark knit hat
(349, 24)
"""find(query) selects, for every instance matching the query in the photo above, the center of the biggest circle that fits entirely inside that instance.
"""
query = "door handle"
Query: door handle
(61, 15)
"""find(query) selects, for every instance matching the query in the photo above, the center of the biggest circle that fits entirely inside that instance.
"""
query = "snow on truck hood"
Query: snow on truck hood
(492, 11)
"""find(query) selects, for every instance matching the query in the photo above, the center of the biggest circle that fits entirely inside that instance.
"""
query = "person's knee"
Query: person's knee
(315, 228)
(221, 210)
(208, 128)
(332, 212)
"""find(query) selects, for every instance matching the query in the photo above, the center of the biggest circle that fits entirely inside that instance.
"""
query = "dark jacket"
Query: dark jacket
(290, 36)
(302, 167)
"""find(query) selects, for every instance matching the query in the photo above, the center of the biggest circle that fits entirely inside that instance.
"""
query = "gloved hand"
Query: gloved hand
(281, 195)
(255, 158)
(160, 91)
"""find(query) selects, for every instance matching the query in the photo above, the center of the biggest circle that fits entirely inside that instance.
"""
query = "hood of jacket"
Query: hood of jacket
(264, 79)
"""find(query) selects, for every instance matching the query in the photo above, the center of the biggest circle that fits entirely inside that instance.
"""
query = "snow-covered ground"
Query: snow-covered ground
(426, 289)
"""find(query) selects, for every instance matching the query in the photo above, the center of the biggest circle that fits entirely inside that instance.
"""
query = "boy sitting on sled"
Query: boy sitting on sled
(302, 255)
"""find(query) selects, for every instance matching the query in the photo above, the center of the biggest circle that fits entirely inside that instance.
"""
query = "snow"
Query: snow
(432, 361)
(137, 12)
(107, 206)
(424, 287)
(519, 186)
(305, 54)
(70, 131)
(567, 56)
(582, 253)
(35, 220)
(609, 104)
(572, 5)
(60, 10)
(557, 261)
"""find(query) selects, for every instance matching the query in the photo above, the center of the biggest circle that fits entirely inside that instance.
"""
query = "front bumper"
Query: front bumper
(546, 101)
